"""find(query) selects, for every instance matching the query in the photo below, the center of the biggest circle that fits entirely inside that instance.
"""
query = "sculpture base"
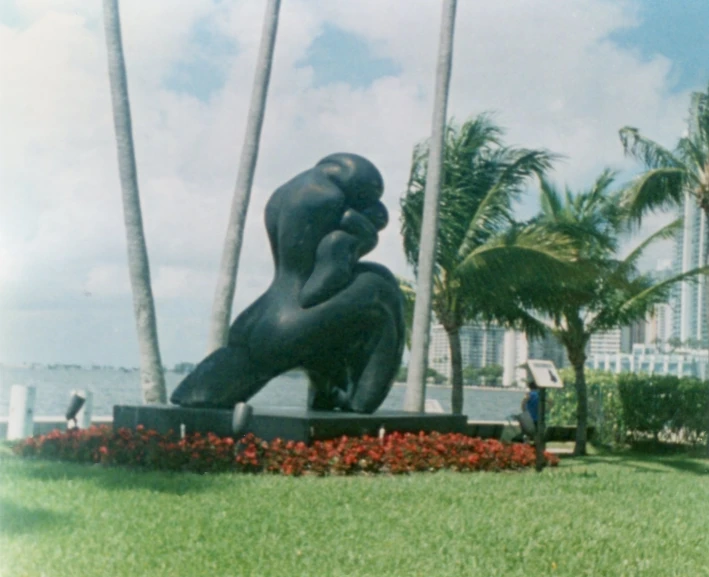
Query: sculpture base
(285, 423)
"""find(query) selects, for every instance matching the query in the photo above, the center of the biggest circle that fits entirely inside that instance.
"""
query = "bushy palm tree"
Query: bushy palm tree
(673, 176)
(482, 257)
(605, 291)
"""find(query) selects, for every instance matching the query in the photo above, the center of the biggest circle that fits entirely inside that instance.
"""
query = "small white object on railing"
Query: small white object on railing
(20, 421)
(432, 406)
(83, 417)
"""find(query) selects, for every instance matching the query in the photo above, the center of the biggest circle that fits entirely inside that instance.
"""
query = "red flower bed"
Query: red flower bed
(394, 454)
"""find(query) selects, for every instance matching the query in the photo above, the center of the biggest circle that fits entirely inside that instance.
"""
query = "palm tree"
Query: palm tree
(151, 369)
(605, 292)
(674, 177)
(416, 380)
(482, 258)
(226, 282)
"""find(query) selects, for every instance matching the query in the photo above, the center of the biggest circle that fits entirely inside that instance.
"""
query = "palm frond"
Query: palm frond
(522, 259)
(699, 119)
(622, 275)
(638, 299)
(647, 151)
(508, 171)
(667, 232)
(550, 200)
(515, 317)
(480, 132)
(517, 165)
(409, 292)
(656, 189)
(694, 152)
(599, 190)
(591, 219)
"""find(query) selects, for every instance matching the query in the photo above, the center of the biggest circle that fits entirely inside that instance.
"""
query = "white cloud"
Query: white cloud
(548, 69)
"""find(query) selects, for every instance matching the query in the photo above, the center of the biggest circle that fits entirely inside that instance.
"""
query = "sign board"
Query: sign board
(544, 373)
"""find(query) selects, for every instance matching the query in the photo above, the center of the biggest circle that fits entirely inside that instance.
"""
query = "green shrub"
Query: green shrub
(604, 406)
(693, 416)
(650, 402)
(633, 407)
(663, 405)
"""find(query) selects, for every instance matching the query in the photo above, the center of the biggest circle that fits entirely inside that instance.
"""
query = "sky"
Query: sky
(347, 76)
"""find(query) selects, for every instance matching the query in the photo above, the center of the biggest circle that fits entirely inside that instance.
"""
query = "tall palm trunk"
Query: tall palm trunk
(705, 283)
(582, 405)
(416, 381)
(575, 342)
(453, 333)
(151, 370)
(226, 282)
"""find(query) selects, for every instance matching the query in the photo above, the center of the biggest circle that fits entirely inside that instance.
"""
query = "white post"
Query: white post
(509, 365)
(83, 417)
(20, 422)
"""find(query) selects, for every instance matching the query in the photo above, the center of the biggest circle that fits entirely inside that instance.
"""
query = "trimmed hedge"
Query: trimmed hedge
(663, 405)
(631, 407)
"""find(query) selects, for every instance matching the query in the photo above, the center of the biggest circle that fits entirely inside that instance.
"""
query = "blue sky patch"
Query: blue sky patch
(10, 16)
(678, 30)
(204, 73)
(338, 56)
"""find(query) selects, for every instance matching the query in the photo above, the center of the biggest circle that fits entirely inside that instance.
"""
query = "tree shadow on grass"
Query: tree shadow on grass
(18, 520)
(688, 466)
(108, 478)
(647, 463)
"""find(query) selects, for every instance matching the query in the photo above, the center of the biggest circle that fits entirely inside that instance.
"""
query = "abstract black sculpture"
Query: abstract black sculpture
(325, 311)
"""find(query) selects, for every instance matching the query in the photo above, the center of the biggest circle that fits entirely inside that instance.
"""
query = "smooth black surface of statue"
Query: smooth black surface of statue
(325, 311)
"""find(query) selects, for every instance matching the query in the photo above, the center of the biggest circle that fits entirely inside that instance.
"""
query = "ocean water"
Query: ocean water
(122, 387)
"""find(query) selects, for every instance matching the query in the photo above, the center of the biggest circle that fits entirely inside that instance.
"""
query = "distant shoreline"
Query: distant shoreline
(291, 373)
(475, 387)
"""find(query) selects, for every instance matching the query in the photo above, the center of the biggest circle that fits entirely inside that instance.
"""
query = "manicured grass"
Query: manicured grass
(606, 515)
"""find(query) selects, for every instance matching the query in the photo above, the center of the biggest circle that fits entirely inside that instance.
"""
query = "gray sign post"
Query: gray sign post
(545, 375)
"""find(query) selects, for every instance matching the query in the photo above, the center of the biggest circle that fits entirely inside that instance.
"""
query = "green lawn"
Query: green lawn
(603, 516)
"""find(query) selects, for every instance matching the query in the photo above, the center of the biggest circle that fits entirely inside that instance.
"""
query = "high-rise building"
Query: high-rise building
(659, 326)
(619, 340)
(518, 349)
(480, 345)
(606, 342)
(689, 307)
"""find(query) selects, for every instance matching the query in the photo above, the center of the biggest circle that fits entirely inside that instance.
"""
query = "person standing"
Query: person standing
(530, 403)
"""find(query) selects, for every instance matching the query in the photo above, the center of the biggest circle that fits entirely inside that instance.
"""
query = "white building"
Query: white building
(689, 322)
(605, 343)
(480, 345)
(649, 359)
(518, 349)
(659, 326)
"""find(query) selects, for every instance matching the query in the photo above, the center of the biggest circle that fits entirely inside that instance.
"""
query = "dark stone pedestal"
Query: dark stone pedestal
(291, 424)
